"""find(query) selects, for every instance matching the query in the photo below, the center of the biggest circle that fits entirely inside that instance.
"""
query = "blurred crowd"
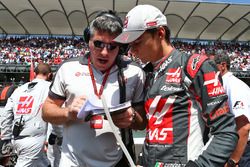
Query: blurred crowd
(48, 50)
(239, 53)
(55, 50)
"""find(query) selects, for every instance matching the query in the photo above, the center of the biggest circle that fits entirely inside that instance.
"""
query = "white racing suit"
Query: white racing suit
(23, 108)
(54, 150)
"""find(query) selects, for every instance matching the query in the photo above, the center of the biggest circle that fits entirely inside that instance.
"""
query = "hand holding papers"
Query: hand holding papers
(93, 106)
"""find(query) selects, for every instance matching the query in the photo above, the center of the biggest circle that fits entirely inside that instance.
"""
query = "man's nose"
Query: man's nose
(104, 51)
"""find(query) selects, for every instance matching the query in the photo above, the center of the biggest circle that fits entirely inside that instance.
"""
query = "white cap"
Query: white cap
(138, 20)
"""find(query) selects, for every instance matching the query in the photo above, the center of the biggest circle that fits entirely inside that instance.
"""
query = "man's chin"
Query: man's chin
(102, 68)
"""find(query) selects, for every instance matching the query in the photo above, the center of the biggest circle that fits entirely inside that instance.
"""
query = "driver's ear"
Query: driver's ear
(161, 32)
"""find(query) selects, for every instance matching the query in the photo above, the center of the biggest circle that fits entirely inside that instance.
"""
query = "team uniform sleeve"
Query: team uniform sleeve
(217, 116)
(57, 90)
(8, 117)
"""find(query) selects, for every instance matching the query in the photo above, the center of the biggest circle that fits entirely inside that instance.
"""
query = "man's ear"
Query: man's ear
(50, 76)
(161, 32)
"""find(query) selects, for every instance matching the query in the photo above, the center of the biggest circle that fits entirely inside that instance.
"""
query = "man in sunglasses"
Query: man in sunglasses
(90, 142)
(185, 95)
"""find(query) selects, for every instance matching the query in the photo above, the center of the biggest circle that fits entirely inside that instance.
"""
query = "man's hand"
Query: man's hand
(124, 119)
(6, 147)
(75, 107)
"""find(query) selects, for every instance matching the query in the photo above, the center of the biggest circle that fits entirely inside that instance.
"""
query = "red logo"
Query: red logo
(125, 37)
(160, 124)
(213, 84)
(96, 122)
(219, 112)
(77, 74)
(174, 75)
(151, 24)
(25, 105)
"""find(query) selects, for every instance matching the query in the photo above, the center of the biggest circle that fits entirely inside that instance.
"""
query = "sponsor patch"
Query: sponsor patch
(162, 164)
(221, 111)
(213, 84)
(78, 74)
(194, 63)
(214, 103)
(25, 105)
(238, 105)
(171, 88)
(173, 75)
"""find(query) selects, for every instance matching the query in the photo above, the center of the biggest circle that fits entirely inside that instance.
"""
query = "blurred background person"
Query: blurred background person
(239, 101)
(22, 120)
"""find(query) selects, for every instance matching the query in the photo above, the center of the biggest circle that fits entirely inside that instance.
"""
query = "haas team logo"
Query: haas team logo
(213, 84)
(25, 105)
(160, 125)
(174, 75)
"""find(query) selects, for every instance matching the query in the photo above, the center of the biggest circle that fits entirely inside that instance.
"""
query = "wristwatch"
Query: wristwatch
(231, 163)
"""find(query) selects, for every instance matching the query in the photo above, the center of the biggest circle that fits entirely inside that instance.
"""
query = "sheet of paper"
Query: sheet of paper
(93, 106)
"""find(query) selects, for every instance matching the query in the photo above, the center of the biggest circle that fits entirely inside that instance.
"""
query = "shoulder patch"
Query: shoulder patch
(194, 63)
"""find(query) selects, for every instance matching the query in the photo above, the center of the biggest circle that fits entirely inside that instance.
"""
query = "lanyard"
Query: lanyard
(94, 82)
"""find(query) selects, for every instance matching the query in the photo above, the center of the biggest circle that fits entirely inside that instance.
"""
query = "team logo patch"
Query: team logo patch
(238, 105)
(173, 75)
(160, 124)
(214, 87)
(25, 105)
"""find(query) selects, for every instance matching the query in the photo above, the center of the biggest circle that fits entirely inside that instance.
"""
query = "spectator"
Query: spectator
(22, 119)
(238, 98)
(91, 143)
(184, 95)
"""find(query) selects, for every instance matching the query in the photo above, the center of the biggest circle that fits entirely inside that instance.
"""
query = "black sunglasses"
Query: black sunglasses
(101, 45)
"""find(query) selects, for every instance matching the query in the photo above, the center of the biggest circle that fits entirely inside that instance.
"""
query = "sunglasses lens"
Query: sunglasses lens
(101, 45)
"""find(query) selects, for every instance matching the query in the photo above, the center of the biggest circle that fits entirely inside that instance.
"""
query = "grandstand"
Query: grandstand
(51, 30)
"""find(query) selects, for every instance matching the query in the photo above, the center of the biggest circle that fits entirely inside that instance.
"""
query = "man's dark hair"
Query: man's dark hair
(167, 35)
(222, 57)
(106, 21)
(43, 68)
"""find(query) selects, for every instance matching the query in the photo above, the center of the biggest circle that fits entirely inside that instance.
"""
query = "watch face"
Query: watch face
(231, 163)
